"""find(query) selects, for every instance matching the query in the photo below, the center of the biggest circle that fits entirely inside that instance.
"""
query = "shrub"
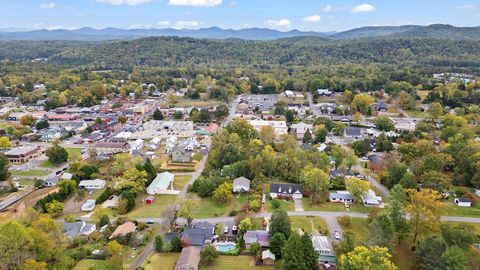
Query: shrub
(275, 203)
(345, 221)
(471, 196)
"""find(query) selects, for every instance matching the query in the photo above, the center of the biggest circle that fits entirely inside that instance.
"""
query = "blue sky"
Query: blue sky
(284, 15)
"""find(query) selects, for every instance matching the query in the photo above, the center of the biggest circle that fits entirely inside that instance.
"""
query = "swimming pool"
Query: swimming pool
(225, 247)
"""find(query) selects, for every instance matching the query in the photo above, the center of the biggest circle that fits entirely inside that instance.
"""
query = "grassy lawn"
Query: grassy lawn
(416, 113)
(475, 226)
(309, 223)
(88, 264)
(47, 164)
(72, 150)
(284, 205)
(161, 261)
(235, 263)
(32, 172)
(359, 227)
(333, 207)
(143, 210)
(208, 207)
(180, 181)
(453, 210)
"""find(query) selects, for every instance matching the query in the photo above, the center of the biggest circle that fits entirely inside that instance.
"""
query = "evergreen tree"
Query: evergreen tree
(309, 254)
(157, 115)
(307, 137)
(292, 254)
(276, 244)
(152, 173)
(280, 223)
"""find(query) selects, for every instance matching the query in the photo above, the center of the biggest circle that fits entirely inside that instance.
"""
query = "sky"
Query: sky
(283, 15)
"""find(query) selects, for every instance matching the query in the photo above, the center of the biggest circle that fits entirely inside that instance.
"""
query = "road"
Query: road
(233, 109)
(150, 247)
(316, 112)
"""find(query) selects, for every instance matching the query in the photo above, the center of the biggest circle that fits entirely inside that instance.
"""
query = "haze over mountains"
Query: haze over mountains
(89, 34)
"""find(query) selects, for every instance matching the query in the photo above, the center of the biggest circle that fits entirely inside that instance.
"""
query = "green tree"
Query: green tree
(280, 223)
(460, 235)
(56, 154)
(361, 103)
(429, 251)
(347, 244)
(256, 249)
(221, 111)
(309, 254)
(357, 187)
(381, 231)
(435, 110)
(383, 123)
(436, 180)
(383, 143)
(4, 165)
(42, 124)
(289, 116)
(453, 258)
(292, 253)
(187, 208)
(223, 193)
(158, 243)
(151, 171)
(204, 115)
(361, 148)
(267, 135)
(243, 129)
(176, 244)
(315, 180)
(307, 137)
(157, 115)
(208, 255)
(338, 128)
(363, 258)
(245, 225)
(54, 208)
(132, 179)
(398, 200)
(123, 162)
(321, 135)
(277, 241)
(114, 255)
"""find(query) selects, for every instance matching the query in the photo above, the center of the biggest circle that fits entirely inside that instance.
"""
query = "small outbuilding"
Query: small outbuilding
(463, 202)
(268, 258)
(241, 184)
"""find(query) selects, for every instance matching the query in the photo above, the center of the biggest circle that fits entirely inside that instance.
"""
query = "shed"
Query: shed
(463, 202)
(268, 257)
(161, 183)
(150, 199)
(241, 184)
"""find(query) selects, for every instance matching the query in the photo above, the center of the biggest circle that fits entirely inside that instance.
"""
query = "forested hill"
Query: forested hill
(307, 51)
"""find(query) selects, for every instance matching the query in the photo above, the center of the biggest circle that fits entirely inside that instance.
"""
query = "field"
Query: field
(87, 264)
(32, 172)
(208, 207)
(307, 224)
(161, 261)
(155, 210)
(284, 205)
(359, 227)
(180, 181)
(235, 263)
(72, 150)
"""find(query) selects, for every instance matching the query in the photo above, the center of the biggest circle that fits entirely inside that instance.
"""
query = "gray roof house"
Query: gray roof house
(179, 154)
(199, 234)
(241, 184)
(77, 229)
(286, 190)
(340, 196)
(262, 237)
(323, 248)
(352, 132)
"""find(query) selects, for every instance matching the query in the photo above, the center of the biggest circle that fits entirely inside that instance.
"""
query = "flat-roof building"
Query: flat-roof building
(23, 153)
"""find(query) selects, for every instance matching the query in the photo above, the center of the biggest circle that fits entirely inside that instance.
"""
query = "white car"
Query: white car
(225, 230)
(336, 235)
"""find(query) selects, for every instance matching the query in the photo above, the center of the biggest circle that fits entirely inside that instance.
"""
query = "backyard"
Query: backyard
(161, 261)
(235, 263)
(154, 210)
(307, 224)
(359, 227)
(180, 181)
(333, 207)
(31, 173)
(208, 207)
(88, 264)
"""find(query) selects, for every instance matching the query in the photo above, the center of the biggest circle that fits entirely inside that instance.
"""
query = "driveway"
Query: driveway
(298, 205)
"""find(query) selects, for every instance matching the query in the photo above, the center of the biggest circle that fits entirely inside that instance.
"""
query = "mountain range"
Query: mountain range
(440, 31)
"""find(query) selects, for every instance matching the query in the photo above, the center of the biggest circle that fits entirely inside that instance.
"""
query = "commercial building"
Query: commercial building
(23, 153)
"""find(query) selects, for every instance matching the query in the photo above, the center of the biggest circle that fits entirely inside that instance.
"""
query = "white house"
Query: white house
(340, 196)
(463, 202)
(278, 190)
(279, 127)
(137, 144)
(403, 124)
(289, 94)
(154, 143)
(241, 184)
(170, 144)
(370, 199)
(94, 184)
(324, 92)
(88, 206)
(301, 128)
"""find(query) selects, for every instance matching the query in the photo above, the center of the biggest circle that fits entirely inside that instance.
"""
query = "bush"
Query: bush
(158, 243)
(471, 196)
(275, 204)
(345, 221)
(104, 196)
(176, 244)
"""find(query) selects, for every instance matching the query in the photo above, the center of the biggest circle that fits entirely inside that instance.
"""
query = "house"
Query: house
(190, 144)
(153, 145)
(278, 190)
(352, 132)
(289, 94)
(324, 92)
(88, 206)
(252, 236)
(180, 154)
(403, 124)
(341, 196)
(124, 229)
(161, 183)
(341, 118)
(23, 153)
(370, 199)
(199, 234)
(327, 108)
(77, 229)
(109, 148)
(165, 129)
(380, 107)
(170, 144)
(150, 199)
(189, 259)
(137, 144)
(241, 184)
(463, 202)
(94, 184)
(301, 128)
(279, 127)
(268, 258)
(376, 162)
(213, 128)
(323, 248)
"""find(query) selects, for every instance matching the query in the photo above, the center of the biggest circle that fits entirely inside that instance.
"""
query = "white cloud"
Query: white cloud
(50, 5)
(312, 19)
(467, 7)
(124, 2)
(330, 8)
(187, 24)
(140, 26)
(363, 8)
(327, 8)
(280, 23)
(195, 3)
(163, 23)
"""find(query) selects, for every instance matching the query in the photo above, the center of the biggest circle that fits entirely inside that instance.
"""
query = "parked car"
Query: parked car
(225, 230)
(336, 235)
(234, 230)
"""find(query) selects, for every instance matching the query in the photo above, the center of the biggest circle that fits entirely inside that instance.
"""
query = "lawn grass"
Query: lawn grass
(333, 207)
(155, 210)
(161, 261)
(72, 150)
(235, 263)
(416, 113)
(180, 181)
(307, 224)
(454, 210)
(47, 164)
(32, 172)
(359, 227)
(284, 205)
(208, 207)
(475, 226)
(89, 264)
